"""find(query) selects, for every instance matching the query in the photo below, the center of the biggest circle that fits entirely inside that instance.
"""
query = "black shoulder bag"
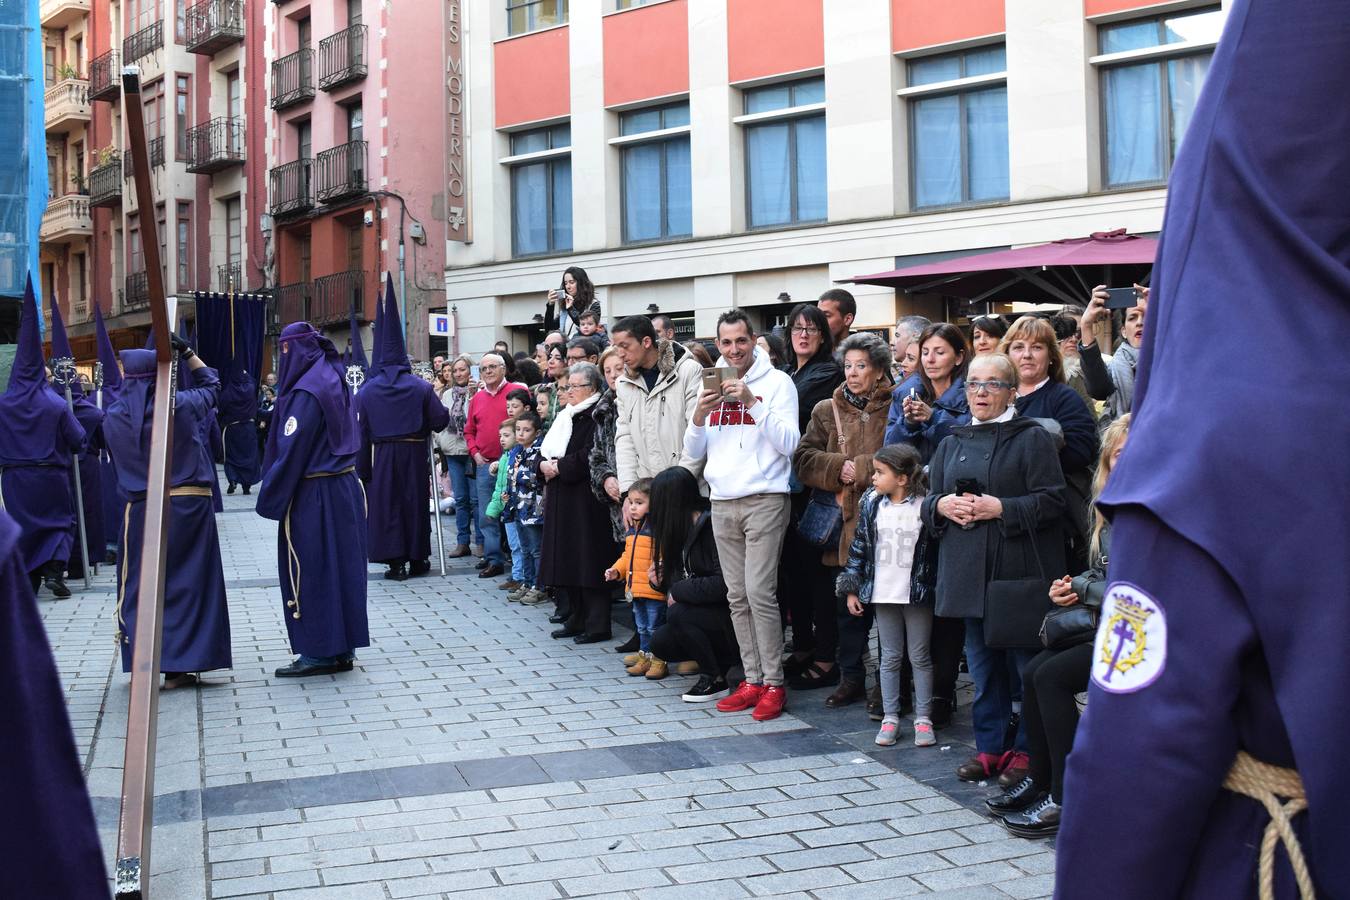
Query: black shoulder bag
(1014, 609)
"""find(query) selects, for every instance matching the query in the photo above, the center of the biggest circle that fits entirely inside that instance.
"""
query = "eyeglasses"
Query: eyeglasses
(805, 331)
(985, 387)
(490, 367)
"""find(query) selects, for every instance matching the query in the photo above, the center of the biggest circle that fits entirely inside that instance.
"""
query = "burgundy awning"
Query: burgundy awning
(1061, 271)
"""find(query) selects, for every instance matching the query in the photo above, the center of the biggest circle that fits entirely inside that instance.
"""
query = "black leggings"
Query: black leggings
(700, 633)
(806, 593)
(1049, 713)
(589, 610)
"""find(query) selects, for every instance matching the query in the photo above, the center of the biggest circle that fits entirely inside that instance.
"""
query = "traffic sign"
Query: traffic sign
(440, 325)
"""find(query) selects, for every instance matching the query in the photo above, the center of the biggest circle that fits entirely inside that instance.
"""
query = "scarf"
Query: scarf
(857, 402)
(560, 432)
(459, 409)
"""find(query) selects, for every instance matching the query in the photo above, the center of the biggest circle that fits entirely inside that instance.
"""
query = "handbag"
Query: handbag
(822, 521)
(1015, 608)
(1068, 626)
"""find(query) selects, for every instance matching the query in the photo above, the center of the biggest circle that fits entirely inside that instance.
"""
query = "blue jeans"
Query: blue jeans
(465, 500)
(513, 541)
(649, 615)
(486, 483)
(531, 539)
(994, 690)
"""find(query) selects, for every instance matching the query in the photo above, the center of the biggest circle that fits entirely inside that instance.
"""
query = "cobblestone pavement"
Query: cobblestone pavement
(469, 754)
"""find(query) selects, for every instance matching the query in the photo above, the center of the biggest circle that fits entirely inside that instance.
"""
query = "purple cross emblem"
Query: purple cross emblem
(1124, 632)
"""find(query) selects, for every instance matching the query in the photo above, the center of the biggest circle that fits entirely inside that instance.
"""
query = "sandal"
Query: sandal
(813, 676)
(793, 665)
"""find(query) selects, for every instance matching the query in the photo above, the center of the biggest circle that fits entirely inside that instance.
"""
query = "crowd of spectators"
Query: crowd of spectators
(760, 513)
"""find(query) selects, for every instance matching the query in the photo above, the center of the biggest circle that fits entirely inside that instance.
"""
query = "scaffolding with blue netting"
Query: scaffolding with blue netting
(23, 164)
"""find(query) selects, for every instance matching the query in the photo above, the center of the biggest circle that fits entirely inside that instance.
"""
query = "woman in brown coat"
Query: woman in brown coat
(862, 402)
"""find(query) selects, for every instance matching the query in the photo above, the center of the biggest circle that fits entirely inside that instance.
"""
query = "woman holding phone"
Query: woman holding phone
(565, 304)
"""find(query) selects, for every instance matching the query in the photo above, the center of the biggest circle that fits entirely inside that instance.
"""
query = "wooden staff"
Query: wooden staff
(138, 768)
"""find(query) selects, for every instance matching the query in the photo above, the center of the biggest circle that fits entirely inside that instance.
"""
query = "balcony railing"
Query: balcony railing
(293, 79)
(157, 152)
(57, 14)
(289, 187)
(105, 73)
(215, 145)
(105, 182)
(342, 57)
(137, 293)
(336, 296)
(67, 105)
(213, 25)
(341, 172)
(66, 219)
(292, 303)
(229, 277)
(144, 42)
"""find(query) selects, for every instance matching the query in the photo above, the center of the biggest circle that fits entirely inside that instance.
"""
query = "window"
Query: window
(656, 184)
(233, 246)
(184, 239)
(630, 4)
(356, 123)
(77, 55)
(1148, 97)
(136, 261)
(154, 110)
(785, 153)
(304, 32)
(180, 116)
(354, 244)
(49, 65)
(234, 109)
(304, 143)
(353, 12)
(958, 129)
(528, 15)
(541, 190)
(81, 279)
(161, 228)
(304, 246)
(180, 21)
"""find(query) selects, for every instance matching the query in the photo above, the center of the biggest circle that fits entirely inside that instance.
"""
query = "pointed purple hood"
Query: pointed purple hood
(30, 411)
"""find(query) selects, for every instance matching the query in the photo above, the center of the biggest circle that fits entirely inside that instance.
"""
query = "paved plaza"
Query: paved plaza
(469, 754)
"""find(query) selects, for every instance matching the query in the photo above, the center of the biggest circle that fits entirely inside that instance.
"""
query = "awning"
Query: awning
(1060, 272)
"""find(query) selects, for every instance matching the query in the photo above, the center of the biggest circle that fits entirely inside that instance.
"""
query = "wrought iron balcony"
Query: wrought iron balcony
(137, 293)
(105, 77)
(293, 79)
(105, 182)
(341, 172)
(229, 277)
(157, 152)
(289, 187)
(66, 219)
(144, 42)
(215, 145)
(342, 57)
(292, 302)
(67, 105)
(213, 25)
(336, 296)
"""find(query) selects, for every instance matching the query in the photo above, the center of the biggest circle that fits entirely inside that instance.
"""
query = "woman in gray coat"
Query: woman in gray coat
(997, 488)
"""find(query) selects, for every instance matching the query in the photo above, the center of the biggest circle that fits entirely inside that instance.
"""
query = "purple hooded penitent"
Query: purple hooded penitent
(90, 418)
(398, 413)
(1226, 615)
(196, 615)
(38, 439)
(310, 488)
(50, 838)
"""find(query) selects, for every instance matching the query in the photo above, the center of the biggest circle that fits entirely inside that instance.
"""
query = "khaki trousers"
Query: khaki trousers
(749, 533)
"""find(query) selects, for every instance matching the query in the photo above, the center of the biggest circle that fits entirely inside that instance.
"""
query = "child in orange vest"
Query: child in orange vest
(649, 604)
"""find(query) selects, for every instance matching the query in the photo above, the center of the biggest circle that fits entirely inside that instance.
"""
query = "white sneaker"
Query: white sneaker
(890, 730)
(923, 733)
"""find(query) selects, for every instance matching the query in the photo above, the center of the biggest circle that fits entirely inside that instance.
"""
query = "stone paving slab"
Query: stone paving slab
(469, 754)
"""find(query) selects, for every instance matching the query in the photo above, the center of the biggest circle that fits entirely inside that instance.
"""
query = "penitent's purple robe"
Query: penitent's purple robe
(49, 841)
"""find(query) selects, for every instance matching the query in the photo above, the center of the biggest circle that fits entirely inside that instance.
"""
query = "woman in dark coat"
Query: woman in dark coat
(1010, 480)
(579, 540)
(805, 584)
(687, 567)
(604, 455)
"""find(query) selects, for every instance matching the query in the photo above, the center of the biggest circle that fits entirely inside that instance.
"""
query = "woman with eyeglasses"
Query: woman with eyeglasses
(931, 412)
(805, 583)
(1042, 393)
(996, 490)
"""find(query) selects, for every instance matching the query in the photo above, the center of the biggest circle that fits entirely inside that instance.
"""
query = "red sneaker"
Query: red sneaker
(744, 697)
(771, 704)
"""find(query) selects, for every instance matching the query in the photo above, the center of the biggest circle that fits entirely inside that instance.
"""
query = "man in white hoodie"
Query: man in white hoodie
(748, 432)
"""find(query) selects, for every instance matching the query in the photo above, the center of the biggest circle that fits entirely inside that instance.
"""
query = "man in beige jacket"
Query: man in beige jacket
(656, 396)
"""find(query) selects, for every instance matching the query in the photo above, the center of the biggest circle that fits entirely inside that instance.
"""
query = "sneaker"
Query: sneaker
(518, 594)
(657, 669)
(1016, 766)
(631, 659)
(535, 597)
(687, 667)
(923, 733)
(770, 704)
(1039, 820)
(705, 689)
(980, 767)
(58, 587)
(639, 667)
(745, 697)
(889, 733)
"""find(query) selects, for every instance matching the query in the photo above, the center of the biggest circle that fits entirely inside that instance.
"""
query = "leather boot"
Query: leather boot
(848, 692)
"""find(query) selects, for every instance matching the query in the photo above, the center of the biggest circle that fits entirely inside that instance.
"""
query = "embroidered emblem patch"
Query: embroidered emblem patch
(1131, 647)
(291, 426)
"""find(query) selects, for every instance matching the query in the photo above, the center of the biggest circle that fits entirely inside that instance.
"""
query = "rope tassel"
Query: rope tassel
(1267, 785)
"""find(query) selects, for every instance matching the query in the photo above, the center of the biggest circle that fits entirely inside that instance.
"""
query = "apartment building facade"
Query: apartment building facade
(355, 147)
(694, 155)
(199, 62)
